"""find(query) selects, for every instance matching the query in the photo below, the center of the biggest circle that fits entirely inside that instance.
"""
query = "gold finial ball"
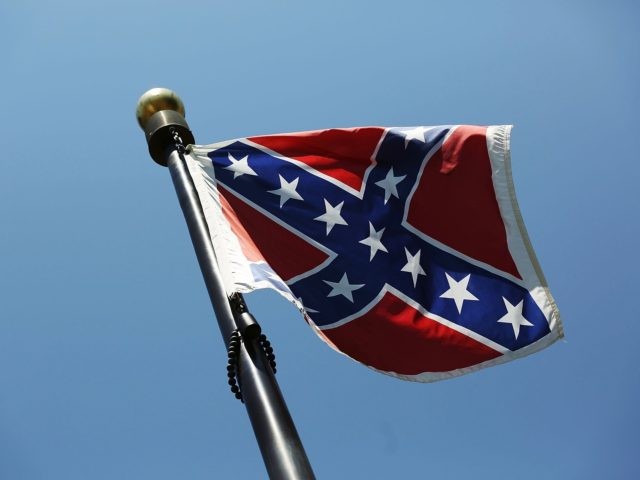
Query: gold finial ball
(155, 100)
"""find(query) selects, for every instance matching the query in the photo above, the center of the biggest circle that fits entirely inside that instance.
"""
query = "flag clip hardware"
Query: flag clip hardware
(249, 327)
(247, 324)
(177, 139)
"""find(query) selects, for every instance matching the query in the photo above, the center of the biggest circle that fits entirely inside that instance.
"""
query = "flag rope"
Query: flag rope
(233, 355)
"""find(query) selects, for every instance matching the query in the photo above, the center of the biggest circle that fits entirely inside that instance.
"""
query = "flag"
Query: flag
(404, 248)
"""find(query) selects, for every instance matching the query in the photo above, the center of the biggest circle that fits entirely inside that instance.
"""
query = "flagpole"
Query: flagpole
(160, 113)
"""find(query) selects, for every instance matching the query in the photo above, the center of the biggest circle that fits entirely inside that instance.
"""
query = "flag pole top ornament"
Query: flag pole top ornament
(160, 113)
(156, 100)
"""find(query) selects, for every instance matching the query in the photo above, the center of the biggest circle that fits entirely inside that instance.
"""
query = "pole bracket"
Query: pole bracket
(247, 324)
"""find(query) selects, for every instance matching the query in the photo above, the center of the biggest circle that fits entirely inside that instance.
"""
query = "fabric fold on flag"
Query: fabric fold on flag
(404, 248)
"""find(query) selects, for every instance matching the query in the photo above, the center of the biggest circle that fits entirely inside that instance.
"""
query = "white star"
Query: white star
(413, 134)
(240, 167)
(413, 266)
(287, 190)
(514, 317)
(343, 287)
(373, 241)
(458, 291)
(332, 215)
(390, 185)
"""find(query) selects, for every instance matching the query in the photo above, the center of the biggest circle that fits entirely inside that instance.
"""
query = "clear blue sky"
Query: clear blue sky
(111, 363)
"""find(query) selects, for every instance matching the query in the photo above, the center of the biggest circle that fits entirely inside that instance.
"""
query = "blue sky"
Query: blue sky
(111, 363)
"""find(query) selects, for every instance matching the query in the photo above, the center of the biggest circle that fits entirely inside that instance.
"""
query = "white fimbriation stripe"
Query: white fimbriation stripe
(426, 159)
(235, 268)
(433, 241)
(203, 150)
(385, 131)
(356, 193)
(428, 377)
(466, 258)
(330, 254)
(498, 139)
(453, 326)
(233, 264)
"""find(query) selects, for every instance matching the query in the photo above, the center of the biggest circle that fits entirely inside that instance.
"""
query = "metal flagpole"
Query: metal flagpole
(160, 113)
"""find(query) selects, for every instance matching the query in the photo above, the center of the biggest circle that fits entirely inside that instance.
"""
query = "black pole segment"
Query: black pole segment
(282, 445)
(277, 437)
